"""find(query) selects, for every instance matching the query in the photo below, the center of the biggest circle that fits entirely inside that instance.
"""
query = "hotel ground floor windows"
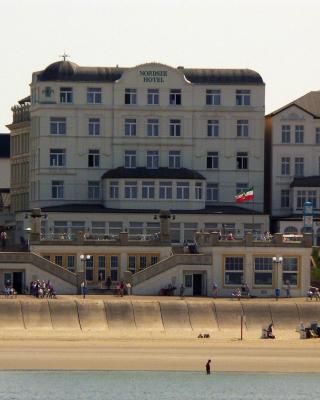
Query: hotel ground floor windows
(263, 271)
(290, 271)
(233, 270)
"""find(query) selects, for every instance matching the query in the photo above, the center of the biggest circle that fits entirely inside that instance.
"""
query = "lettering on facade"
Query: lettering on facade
(153, 76)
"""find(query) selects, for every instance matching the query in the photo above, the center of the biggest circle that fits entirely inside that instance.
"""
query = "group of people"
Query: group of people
(9, 290)
(313, 292)
(42, 289)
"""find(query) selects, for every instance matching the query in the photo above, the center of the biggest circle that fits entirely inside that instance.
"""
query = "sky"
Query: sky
(277, 38)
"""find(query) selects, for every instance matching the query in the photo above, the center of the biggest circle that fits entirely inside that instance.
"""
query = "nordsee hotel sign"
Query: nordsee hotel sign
(153, 76)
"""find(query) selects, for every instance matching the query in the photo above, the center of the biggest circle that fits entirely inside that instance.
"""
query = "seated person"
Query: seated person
(236, 293)
(270, 334)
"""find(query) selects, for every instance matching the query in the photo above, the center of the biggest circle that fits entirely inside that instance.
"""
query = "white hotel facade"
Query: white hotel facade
(109, 147)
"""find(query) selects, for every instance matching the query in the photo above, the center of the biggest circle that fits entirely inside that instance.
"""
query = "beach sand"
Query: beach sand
(162, 355)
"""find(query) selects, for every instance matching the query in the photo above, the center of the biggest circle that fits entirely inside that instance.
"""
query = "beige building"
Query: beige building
(293, 137)
(110, 146)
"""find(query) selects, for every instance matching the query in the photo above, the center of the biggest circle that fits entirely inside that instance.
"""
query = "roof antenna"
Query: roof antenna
(64, 56)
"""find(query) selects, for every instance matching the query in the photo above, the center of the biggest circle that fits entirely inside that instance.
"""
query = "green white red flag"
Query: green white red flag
(246, 195)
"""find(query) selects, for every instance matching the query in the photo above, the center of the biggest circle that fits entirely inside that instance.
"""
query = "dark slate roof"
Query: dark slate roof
(4, 145)
(25, 100)
(306, 181)
(99, 208)
(146, 173)
(309, 103)
(70, 72)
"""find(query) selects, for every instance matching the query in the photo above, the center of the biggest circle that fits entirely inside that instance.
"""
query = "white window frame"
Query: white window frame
(57, 189)
(286, 270)
(212, 192)
(58, 157)
(285, 198)
(114, 190)
(242, 128)
(94, 190)
(130, 96)
(94, 127)
(152, 127)
(153, 97)
(152, 159)
(213, 97)
(175, 97)
(198, 190)
(130, 159)
(148, 190)
(213, 128)
(299, 166)
(243, 97)
(285, 166)
(235, 268)
(285, 134)
(183, 190)
(94, 95)
(58, 126)
(174, 159)
(66, 95)
(299, 134)
(263, 266)
(242, 160)
(175, 127)
(93, 158)
(130, 127)
(130, 190)
(165, 190)
(212, 160)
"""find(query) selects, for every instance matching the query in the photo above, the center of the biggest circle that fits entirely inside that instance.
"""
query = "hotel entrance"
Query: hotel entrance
(195, 283)
(14, 279)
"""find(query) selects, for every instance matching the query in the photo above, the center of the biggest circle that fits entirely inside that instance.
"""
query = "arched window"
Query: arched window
(290, 229)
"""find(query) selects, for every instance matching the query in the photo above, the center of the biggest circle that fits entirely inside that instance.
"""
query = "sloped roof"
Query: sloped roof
(309, 102)
(146, 173)
(70, 72)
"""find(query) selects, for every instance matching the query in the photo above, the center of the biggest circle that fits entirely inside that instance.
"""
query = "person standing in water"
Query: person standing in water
(208, 367)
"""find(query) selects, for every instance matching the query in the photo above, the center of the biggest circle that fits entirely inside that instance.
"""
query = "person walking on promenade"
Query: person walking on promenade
(208, 367)
(83, 289)
(215, 289)
(288, 289)
(3, 237)
(181, 291)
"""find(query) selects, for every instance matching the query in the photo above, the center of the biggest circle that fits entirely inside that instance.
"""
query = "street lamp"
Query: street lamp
(277, 261)
(85, 258)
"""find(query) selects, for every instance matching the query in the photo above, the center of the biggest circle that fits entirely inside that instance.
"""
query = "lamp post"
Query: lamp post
(84, 258)
(277, 261)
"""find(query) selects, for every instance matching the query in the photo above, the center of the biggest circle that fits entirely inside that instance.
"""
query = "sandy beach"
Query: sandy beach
(162, 355)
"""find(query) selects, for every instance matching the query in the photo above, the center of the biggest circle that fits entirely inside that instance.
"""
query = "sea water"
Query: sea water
(66, 385)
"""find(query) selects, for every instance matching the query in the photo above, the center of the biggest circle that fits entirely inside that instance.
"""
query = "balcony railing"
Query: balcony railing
(21, 113)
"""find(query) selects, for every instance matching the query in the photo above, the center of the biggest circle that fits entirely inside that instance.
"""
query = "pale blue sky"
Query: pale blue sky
(279, 39)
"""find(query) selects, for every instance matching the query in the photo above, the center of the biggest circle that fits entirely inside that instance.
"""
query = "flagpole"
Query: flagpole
(253, 212)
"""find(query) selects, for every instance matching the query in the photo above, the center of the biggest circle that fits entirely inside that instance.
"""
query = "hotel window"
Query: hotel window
(114, 190)
(175, 127)
(135, 228)
(242, 128)
(114, 265)
(285, 198)
(57, 189)
(152, 228)
(130, 127)
(299, 134)
(286, 133)
(66, 95)
(212, 192)
(298, 166)
(175, 232)
(115, 228)
(152, 159)
(175, 97)
(60, 227)
(57, 157)
(154, 260)
(153, 96)
(263, 268)
(94, 126)
(94, 190)
(301, 198)
(165, 190)
(148, 190)
(190, 228)
(152, 127)
(242, 160)
(130, 190)
(174, 159)
(243, 97)
(130, 159)
(94, 95)
(241, 187)
(317, 135)
(285, 165)
(58, 126)
(102, 268)
(130, 96)
(76, 227)
(143, 262)
(132, 264)
(98, 228)
(290, 271)
(233, 270)
(212, 160)
(213, 128)
(89, 265)
(210, 227)
(213, 97)
(182, 190)
(59, 260)
(312, 197)
(71, 263)
(94, 158)
(198, 191)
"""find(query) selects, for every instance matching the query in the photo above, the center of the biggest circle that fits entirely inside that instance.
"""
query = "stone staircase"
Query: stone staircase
(39, 262)
(168, 263)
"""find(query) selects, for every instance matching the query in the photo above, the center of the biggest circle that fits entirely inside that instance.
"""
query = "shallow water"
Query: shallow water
(66, 385)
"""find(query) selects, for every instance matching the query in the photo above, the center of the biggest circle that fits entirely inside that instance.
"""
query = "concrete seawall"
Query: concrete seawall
(129, 317)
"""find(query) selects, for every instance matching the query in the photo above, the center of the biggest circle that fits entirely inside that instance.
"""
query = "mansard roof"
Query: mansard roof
(70, 72)
(146, 173)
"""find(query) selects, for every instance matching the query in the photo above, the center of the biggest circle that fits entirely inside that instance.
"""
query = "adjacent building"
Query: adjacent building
(4, 177)
(293, 143)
